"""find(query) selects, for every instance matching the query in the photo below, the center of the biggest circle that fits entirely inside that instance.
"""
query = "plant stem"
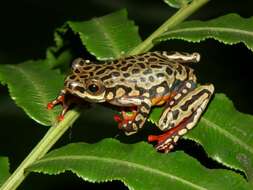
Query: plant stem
(46, 143)
(56, 131)
(177, 18)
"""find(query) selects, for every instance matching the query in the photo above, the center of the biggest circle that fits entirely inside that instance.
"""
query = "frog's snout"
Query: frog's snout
(74, 86)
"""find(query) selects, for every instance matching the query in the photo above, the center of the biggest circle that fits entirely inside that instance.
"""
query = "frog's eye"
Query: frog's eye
(93, 88)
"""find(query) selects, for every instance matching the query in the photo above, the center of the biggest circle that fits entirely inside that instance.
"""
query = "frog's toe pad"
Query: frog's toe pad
(165, 143)
(164, 147)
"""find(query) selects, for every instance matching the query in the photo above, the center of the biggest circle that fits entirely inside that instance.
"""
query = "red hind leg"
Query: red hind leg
(167, 140)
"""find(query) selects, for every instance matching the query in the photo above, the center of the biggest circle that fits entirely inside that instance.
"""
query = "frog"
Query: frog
(138, 83)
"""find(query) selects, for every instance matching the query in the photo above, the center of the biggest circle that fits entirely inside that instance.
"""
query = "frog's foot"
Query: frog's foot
(125, 120)
(166, 141)
(61, 99)
(176, 128)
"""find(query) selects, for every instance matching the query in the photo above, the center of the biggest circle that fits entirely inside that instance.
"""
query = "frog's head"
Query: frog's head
(81, 84)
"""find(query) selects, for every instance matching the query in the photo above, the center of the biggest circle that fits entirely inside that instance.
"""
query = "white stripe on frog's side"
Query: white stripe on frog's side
(190, 103)
(182, 57)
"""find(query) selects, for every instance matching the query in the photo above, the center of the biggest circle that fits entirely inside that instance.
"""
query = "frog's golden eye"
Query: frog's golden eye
(93, 88)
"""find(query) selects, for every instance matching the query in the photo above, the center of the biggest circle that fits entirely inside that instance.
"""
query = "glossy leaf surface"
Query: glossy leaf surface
(229, 29)
(137, 165)
(32, 85)
(108, 37)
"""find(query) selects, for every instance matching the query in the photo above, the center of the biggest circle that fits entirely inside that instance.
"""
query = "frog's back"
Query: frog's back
(140, 73)
(144, 71)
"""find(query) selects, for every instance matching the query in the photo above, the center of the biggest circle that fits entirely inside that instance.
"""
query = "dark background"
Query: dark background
(26, 31)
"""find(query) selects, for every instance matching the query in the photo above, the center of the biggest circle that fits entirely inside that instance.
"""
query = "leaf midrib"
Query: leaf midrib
(124, 163)
(200, 29)
(103, 30)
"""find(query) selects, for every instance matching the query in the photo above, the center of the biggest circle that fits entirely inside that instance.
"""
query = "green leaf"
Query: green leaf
(229, 29)
(108, 37)
(138, 166)
(4, 169)
(32, 85)
(177, 3)
(225, 134)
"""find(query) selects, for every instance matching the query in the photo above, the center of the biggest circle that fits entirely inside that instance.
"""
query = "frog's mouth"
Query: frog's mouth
(95, 99)
(86, 93)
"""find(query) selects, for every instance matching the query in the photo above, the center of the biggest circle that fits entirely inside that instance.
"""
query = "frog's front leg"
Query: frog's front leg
(135, 119)
(181, 116)
(61, 99)
(65, 100)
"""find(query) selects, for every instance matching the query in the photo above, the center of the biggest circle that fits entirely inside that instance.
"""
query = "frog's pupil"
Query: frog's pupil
(93, 88)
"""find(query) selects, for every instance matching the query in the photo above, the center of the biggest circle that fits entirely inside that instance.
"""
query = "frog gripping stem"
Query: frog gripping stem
(59, 100)
(137, 83)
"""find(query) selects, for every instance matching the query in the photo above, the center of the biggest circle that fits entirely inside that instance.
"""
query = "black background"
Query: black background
(26, 31)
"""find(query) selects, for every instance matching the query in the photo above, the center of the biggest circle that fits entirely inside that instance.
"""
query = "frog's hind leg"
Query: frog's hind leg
(182, 117)
(182, 57)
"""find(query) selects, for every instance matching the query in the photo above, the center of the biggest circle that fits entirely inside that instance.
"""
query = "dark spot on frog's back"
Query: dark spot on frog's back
(151, 78)
(141, 65)
(87, 68)
(169, 71)
(126, 67)
(179, 68)
(147, 71)
(100, 71)
(115, 74)
(126, 75)
(83, 76)
(123, 62)
(152, 59)
(141, 59)
(110, 67)
(135, 71)
(156, 66)
(160, 75)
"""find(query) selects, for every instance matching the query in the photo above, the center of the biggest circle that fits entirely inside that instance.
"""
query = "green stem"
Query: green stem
(46, 143)
(55, 132)
(177, 18)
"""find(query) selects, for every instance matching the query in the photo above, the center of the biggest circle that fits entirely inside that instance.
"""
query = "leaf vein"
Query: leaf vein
(215, 29)
(37, 86)
(125, 163)
(227, 134)
(103, 30)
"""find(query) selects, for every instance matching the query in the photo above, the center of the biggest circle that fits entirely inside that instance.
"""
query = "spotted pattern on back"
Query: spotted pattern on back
(142, 73)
